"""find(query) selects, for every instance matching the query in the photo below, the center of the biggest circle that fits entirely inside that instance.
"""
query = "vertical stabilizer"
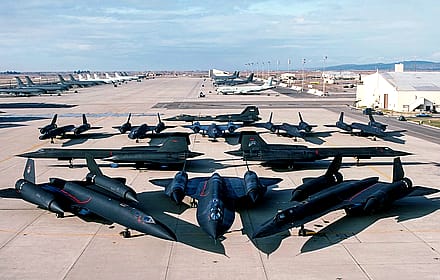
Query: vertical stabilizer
(92, 166)
(29, 81)
(341, 117)
(251, 140)
(84, 119)
(29, 171)
(54, 119)
(335, 165)
(19, 82)
(398, 173)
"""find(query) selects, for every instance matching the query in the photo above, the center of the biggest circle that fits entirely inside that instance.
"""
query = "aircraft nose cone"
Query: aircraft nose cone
(235, 153)
(27, 155)
(131, 197)
(194, 154)
(160, 230)
(55, 207)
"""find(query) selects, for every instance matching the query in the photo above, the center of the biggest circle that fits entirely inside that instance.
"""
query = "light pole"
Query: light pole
(302, 80)
(323, 78)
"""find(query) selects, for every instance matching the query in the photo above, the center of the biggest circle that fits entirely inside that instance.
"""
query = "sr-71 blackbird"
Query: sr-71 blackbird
(373, 128)
(326, 194)
(173, 151)
(302, 129)
(140, 131)
(213, 130)
(51, 130)
(109, 198)
(254, 148)
(249, 115)
(216, 196)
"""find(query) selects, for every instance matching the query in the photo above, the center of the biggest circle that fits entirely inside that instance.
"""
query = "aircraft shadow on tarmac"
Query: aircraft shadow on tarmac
(349, 226)
(15, 121)
(79, 139)
(323, 164)
(156, 203)
(34, 105)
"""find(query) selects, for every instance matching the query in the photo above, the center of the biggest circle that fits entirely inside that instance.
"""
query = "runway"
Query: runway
(401, 243)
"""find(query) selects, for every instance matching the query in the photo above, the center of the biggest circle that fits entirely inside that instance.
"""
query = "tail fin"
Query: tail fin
(61, 78)
(270, 118)
(129, 117)
(251, 140)
(251, 77)
(370, 116)
(175, 144)
(341, 117)
(269, 81)
(398, 173)
(72, 78)
(158, 117)
(19, 82)
(54, 119)
(29, 171)
(300, 117)
(84, 119)
(92, 166)
(335, 165)
(250, 110)
(29, 81)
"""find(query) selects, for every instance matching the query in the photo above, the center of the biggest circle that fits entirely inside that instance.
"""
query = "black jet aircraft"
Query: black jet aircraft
(100, 195)
(254, 148)
(140, 131)
(372, 128)
(51, 130)
(213, 130)
(216, 196)
(249, 115)
(364, 196)
(301, 130)
(174, 151)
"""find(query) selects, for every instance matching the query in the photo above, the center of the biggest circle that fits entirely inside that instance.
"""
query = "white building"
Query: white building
(400, 91)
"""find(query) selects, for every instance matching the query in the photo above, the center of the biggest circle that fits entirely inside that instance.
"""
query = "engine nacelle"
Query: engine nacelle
(124, 128)
(176, 190)
(254, 189)
(315, 185)
(114, 186)
(386, 195)
(36, 195)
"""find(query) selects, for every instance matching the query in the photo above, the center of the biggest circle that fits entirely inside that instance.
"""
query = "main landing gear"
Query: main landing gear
(193, 203)
(125, 233)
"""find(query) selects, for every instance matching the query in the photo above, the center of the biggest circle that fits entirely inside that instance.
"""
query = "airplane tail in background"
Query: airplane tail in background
(250, 110)
(300, 117)
(270, 118)
(251, 140)
(268, 82)
(84, 119)
(175, 144)
(341, 117)
(61, 78)
(398, 173)
(72, 78)
(29, 81)
(29, 171)
(19, 82)
(251, 77)
(54, 119)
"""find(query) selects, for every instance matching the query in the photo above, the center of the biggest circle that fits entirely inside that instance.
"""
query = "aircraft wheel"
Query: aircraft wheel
(126, 233)
(59, 215)
(302, 231)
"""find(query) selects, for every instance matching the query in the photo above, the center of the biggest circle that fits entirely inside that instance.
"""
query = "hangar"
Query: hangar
(400, 91)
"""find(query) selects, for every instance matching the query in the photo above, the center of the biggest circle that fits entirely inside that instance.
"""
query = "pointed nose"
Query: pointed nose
(131, 197)
(55, 207)
(160, 230)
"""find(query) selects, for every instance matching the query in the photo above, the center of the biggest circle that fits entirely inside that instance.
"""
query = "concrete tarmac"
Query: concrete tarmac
(401, 243)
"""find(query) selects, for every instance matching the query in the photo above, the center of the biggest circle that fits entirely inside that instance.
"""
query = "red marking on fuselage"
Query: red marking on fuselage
(202, 193)
(360, 192)
(74, 198)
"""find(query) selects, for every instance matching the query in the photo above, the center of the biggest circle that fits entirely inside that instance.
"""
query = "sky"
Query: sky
(41, 35)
